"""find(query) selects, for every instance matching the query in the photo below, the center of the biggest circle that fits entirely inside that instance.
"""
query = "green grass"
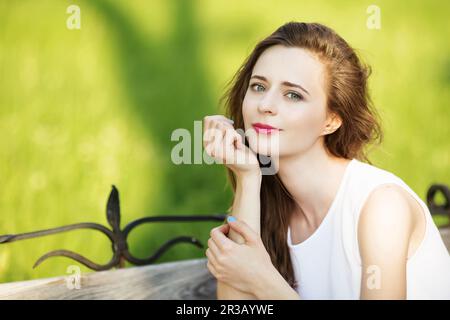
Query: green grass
(83, 109)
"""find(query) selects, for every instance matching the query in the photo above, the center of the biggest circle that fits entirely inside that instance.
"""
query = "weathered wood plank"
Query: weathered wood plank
(176, 280)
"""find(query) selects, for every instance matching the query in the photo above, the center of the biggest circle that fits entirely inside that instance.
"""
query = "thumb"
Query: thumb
(243, 229)
(239, 144)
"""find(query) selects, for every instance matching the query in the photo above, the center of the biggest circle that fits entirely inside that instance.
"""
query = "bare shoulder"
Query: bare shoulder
(389, 201)
(386, 221)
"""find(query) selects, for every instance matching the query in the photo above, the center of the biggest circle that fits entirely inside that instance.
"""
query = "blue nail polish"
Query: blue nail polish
(231, 219)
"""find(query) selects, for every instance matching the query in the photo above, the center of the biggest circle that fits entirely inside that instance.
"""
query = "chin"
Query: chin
(265, 147)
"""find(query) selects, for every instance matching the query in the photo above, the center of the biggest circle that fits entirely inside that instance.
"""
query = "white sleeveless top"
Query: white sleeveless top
(327, 265)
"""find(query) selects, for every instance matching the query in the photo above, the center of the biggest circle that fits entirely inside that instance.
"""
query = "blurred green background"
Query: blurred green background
(83, 109)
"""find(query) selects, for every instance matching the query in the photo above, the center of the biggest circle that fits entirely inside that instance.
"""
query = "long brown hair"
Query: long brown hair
(347, 96)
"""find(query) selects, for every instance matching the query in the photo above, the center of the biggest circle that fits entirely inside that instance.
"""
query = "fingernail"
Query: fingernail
(231, 219)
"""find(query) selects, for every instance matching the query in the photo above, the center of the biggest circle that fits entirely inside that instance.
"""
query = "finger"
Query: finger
(209, 146)
(207, 130)
(218, 141)
(222, 117)
(209, 136)
(212, 123)
(209, 122)
(214, 134)
(239, 141)
(206, 137)
(213, 249)
(212, 269)
(210, 255)
(224, 228)
(244, 230)
(221, 240)
(231, 121)
(228, 122)
(234, 135)
(230, 145)
(210, 132)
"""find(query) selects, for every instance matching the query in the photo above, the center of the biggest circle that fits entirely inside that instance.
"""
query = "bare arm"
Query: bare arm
(246, 207)
(222, 142)
(384, 231)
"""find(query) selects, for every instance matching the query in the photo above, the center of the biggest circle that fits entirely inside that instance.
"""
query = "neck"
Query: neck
(313, 179)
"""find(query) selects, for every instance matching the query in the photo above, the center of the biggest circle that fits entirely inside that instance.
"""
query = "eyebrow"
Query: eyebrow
(286, 83)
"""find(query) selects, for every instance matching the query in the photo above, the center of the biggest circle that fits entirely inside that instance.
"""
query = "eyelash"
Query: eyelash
(300, 97)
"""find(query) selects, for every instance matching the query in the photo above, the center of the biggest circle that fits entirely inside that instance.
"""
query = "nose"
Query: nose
(268, 105)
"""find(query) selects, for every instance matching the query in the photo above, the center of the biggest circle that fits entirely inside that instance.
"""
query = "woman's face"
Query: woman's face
(286, 91)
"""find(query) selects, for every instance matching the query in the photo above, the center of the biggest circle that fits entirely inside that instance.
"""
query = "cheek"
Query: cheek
(305, 121)
(302, 130)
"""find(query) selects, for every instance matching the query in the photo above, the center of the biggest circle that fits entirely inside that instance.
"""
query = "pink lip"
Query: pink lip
(264, 128)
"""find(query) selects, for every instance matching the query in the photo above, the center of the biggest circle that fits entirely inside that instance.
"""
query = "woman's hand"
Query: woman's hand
(241, 266)
(223, 143)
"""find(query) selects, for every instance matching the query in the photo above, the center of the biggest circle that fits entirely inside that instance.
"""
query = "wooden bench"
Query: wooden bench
(189, 279)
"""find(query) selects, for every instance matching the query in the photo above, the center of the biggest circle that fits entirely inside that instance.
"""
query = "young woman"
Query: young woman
(326, 225)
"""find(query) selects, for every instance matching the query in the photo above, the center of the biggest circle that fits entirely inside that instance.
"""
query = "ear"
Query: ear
(332, 123)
